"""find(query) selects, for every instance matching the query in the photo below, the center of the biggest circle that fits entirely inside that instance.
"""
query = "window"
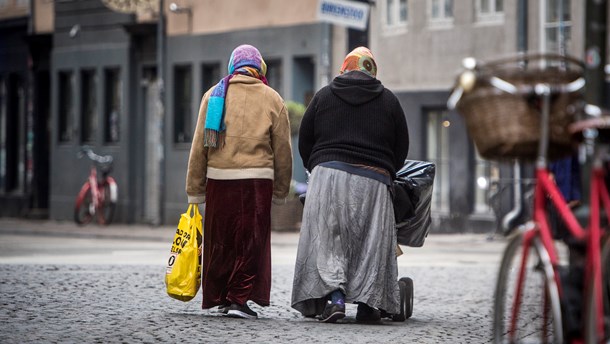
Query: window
(66, 107)
(88, 124)
(274, 75)
(437, 151)
(441, 13)
(183, 117)
(485, 172)
(557, 29)
(210, 76)
(490, 11)
(2, 134)
(396, 15)
(13, 133)
(112, 105)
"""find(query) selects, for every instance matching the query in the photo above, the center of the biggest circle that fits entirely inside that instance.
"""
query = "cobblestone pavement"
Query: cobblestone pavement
(71, 288)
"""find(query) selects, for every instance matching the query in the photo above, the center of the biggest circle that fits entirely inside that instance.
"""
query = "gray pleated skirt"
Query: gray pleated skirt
(347, 242)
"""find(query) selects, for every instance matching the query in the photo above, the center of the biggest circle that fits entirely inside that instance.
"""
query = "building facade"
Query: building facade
(420, 45)
(86, 73)
(105, 91)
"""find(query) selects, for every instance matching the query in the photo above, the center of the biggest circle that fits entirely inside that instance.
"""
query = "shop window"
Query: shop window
(274, 75)
(486, 173)
(112, 105)
(210, 76)
(13, 138)
(2, 133)
(66, 106)
(183, 118)
(88, 123)
(437, 151)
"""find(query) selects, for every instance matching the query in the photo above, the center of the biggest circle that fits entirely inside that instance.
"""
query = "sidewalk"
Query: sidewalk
(281, 241)
(71, 229)
(438, 250)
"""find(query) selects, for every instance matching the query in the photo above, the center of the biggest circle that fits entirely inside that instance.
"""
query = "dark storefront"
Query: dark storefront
(24, 116)
(91, 93)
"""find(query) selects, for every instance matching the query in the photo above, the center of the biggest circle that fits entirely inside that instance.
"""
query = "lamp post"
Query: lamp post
(161, 107)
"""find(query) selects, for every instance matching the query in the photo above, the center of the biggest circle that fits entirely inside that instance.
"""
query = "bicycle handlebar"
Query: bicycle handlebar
(538, 89)
(468, 79)
(105, 159)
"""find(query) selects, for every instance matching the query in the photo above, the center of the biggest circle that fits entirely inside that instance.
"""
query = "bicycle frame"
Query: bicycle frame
(537, 235)
(591, 235)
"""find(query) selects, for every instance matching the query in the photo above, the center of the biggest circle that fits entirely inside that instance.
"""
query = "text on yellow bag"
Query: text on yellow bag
(183, 274)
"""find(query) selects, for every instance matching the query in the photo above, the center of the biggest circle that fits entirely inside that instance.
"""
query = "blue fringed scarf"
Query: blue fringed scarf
(245, 60)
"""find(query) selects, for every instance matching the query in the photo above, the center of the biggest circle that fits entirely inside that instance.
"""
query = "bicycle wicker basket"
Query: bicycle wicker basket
(508, 126)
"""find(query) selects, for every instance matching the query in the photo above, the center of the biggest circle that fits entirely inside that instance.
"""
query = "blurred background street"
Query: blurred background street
(124, 78)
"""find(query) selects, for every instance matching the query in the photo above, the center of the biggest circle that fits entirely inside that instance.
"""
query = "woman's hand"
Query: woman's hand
(278, 201)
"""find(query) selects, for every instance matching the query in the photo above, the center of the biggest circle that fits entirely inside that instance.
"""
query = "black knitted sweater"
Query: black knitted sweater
(356, 121)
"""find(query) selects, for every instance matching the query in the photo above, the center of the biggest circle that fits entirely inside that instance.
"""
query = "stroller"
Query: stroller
(412, 198)
(412, 193)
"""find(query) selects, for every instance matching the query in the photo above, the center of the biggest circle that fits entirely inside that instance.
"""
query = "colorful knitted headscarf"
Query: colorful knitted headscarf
(360, 59)
(245, 60)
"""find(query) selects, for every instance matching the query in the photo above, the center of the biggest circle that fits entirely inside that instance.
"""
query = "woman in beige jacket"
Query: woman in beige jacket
(240, 160)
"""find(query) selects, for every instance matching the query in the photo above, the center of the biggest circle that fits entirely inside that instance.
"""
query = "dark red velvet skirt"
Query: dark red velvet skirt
(237, 242)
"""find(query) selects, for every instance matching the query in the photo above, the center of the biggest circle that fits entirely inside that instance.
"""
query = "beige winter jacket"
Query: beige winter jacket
(257, 140)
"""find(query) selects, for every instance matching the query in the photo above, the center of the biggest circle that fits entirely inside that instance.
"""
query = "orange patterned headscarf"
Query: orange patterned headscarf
(360, 59)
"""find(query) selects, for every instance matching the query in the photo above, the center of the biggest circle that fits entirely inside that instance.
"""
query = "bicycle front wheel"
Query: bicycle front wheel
(530, 311)
(108, 191)
(83, 207)
(591, 319)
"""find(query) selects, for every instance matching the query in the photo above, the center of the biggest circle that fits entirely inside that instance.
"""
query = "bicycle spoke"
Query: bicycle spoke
(598, 308)
(107, 205)
(84, 209)
(525, 314)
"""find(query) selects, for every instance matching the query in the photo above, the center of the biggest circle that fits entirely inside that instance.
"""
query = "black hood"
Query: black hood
(356, 90)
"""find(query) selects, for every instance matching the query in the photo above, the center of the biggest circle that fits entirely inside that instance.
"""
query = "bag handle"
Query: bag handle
(193, 207)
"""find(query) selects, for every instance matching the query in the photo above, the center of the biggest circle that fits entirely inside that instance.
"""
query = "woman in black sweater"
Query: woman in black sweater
(353, 139)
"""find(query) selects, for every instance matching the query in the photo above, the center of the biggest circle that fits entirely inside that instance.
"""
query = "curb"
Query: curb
(13, 226)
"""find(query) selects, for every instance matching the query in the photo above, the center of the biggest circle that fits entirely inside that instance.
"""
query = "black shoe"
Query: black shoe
(367, 314)
(333, 312)
(244, 312)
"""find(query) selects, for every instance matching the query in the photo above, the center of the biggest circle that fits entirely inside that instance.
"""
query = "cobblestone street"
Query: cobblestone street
(64, 288)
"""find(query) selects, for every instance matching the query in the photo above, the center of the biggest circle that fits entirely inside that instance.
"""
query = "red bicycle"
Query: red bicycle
(98, 196)
(541, 96)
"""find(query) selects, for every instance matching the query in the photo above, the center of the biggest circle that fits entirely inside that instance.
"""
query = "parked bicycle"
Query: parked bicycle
(98, 196)
(529, 107)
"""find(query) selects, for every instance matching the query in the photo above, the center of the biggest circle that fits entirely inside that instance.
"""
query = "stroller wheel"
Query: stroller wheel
(405, 285)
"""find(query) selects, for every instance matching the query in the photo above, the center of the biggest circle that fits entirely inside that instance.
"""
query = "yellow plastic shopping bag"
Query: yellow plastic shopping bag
(183, 274)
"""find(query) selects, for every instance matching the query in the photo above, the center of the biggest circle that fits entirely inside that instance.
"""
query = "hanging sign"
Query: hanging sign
(342, 12)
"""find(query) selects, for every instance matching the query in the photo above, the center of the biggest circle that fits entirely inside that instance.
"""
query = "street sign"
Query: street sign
(347, 13)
